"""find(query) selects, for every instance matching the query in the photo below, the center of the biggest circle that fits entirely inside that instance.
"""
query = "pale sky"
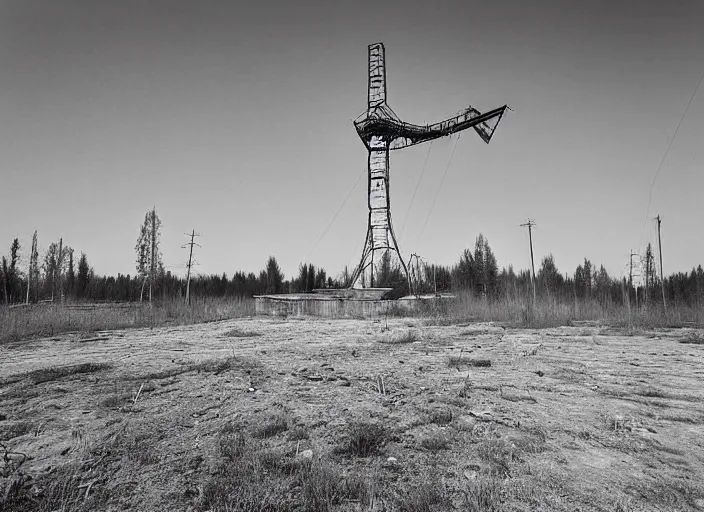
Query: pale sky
(235, 119)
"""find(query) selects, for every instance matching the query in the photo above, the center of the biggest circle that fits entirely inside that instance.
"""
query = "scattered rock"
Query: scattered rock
(306, 454)
(470, 474)
(392, 460)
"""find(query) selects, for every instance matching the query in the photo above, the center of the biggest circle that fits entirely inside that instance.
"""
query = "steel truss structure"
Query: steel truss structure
(382, 131)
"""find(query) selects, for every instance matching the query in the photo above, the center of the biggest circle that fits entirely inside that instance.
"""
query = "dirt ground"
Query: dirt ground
(578, 418)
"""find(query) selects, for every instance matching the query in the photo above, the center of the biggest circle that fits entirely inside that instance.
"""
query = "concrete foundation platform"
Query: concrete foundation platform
(346, 303)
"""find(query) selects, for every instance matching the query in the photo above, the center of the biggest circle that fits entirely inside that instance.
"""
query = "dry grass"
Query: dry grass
(429, 496)
(11, 430)
(200, 442)
(241, 333)
(435, 443)
(364, 439)
(409, 336)
(270, 426)
(459, 362)
(550, 312)
(252, 477)
(482, 495)
(51, 319)
(441, 416)
(215, 366)
(50, 374)
(693, 338)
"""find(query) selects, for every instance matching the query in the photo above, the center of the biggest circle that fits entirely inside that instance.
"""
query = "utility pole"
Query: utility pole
(190, 264)
(152, 266)
(662, 276)
(530, 225)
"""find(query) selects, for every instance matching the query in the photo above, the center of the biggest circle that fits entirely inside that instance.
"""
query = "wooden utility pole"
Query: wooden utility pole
(662, 276)
(59, 264)
(190, 264)
(530, 225)
(152, 266)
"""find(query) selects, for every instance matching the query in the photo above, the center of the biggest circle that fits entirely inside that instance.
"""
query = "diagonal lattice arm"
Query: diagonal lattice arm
(402, 135)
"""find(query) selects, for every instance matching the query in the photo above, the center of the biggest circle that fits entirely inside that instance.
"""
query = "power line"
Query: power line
(349, 194)
(405, 220)
(652, 183)
(442, 180)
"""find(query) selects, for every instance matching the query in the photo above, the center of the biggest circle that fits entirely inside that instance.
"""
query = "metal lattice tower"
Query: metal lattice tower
(382, 131)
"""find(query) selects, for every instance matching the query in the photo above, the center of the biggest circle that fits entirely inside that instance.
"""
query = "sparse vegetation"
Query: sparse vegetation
(215, 366)
(429, 496)
(53, 319)
(10, 430)
(498, 454)
(693, 338)
(409, 336)
(435, 443)
(298, 434)
(364, 439)
(271, 426)
(459, 362)
(49, 374)
(252, 477)
(441, 416)
(240, 333)
(248, 435)
(483, 495)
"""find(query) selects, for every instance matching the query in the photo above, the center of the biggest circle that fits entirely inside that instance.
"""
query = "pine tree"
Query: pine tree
(4, 271)
(273, 277)
(33, 270)
(587, 278)
(320, 278)
(479, 270)
(14, 285)
(310, 278)
(649, 270)
(463, 275)
(549, 278)
(83, 276)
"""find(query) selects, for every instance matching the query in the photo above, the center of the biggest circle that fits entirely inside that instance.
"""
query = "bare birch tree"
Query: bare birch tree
(147, 251)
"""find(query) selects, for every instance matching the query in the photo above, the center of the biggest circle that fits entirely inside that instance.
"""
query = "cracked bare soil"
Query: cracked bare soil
(573, 418)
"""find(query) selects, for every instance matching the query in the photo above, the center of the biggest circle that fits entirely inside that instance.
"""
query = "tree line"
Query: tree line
(59, 275)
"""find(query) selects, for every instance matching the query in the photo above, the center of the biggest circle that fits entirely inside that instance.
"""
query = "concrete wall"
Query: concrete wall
(283, 305)
(329, 308)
